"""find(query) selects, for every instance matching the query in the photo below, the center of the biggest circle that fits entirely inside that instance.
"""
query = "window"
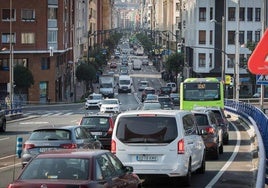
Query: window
(6, 38)
(52, 36)
(45, 63)
(249, 36)
(257, 36)
(189, 125)
(22, 62)
(250, 14)
(242, 14)
(231, 14)
(257, 14)
(210, 60)
(231, 60)
(27, 38)
(210, 37)
(202, 37)
(52, 13)
(27, 14)
(242, 37)
(117, 164)
(231, 37)
(6, 14)
(211, 13)
(107, 170)
(177, 7)
(201, 60)
(202, 14)
(4, 64)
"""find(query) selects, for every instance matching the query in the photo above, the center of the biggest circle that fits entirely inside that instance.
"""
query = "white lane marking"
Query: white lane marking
(4, 138)
(229, 162)
(30, 123)
(10, 166)
(9, 156)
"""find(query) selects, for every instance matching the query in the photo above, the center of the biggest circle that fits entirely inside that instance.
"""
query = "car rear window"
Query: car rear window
(95, 122)
(201, 119)
(147, 129)
(55, 134)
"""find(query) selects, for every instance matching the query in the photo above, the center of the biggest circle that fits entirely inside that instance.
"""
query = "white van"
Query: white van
(137, 63)
(173, 86)
(159, 142)
(124, 84)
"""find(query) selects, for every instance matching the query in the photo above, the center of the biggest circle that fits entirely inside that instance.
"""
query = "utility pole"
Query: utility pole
(237, 80)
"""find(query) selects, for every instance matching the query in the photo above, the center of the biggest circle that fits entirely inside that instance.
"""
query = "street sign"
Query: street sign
(228, 79)
(258, 61)
(262, 79)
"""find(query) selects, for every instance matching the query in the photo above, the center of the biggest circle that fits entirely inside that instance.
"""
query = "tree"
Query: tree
(87, 73)
(23, 79)
(175, 64)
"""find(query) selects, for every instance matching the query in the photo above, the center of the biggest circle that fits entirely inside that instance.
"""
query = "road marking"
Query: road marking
(229, 162)
(4, 139)
(29, 122)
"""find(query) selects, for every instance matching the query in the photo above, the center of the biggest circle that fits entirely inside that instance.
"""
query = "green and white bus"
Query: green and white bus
(205, 92)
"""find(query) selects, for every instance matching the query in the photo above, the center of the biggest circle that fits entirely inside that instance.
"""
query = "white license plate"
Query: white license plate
(146, 158)
(96, 133)
(41, 150)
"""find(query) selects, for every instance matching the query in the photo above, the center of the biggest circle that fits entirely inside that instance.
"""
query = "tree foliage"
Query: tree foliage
(23, 77)
(87, 73)
(175, 63)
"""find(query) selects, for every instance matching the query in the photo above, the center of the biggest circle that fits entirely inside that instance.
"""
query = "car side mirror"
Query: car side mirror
(228, 116)
(128, 169)
(203, 132)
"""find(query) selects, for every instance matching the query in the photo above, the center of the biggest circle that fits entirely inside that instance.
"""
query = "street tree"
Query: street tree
(86, 73)
(23, 79)
(175, 64)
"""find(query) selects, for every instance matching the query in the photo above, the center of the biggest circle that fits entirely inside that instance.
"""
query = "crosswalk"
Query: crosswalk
(54, 113)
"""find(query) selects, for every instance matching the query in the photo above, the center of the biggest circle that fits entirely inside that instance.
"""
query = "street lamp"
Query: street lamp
(11, 58)
(237, 86)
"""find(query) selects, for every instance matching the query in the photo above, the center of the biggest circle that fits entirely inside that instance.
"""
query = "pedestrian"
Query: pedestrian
(8, 102)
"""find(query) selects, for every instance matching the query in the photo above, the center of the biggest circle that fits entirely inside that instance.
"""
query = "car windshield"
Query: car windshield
(147, 129)
(124, 82)
(95, 122)
(109, 102)
(164, 100)
(95, 97)
(56, 168)
(151, 106)
(51, 134)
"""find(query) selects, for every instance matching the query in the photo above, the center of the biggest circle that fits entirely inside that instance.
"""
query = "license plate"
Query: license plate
(41, 150)
(96, 133)
(146, 158)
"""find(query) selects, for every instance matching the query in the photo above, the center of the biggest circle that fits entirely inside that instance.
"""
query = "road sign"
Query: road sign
(228, 79)
(262, 79)
(258, 61)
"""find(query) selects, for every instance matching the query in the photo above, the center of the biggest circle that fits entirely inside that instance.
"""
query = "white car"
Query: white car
(110, 105)
(173, 85)
(93, 100)
(159, 142)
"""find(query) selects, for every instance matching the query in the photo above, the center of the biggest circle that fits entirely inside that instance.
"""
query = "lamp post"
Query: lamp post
(11, 57)
(237, 85)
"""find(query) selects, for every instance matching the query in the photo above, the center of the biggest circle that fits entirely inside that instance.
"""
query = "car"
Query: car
(143, 84)
(151, 105)
(145, 62)
(151, 97)
(175, 97)
(100, 125)
(3, 120)
(173, 85)
(110, 105)
(222, 119)
(207, 121)
(166, 102)
(165, 90)
(113, 65)
(93, 100)
(54, 138)
(76, 168)
(147, 90)
(159, 143)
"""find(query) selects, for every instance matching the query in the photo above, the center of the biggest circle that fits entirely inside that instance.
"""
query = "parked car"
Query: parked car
(143, 84)
(207, 121)
(147, 90)
(110, 105)
(3, 120)
(54, 138)
(160, 143)
(166, 102)
(100, 125)
(175, 97)
(93, 100)
(151, 105)
(76, 168)
(222, 120)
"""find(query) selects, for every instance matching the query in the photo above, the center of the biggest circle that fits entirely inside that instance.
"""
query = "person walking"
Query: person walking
(8, 102)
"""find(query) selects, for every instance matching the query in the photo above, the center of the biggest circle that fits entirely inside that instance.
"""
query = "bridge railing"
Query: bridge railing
(260, 123)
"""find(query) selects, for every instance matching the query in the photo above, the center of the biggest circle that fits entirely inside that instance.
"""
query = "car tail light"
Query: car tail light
(28, 146)
(181, 147)
(113, 146)
(10, 186)
(68, 146)
(210, 130)
(111, 123)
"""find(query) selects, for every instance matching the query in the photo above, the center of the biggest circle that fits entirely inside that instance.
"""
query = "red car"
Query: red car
(113, 65)
(76, 168)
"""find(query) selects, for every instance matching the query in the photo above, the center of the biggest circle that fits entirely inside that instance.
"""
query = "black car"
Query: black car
(175, 98)
(101, 126)
(2, 120)
(54, 138)
(165, 90)
(166, 102)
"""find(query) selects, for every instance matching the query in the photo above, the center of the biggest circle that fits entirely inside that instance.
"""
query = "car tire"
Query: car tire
(188, 177)
(226, 140)
(202, 168)
(221, 149)
(3, 126)
(216, 154)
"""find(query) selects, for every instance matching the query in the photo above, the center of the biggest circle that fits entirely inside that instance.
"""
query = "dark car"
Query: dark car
(100, 125)
(76, 168)
(54, 138)
(147, 90)
(3, 120)
(166, 102)
(165, 90)
(212, 132)
(175, 97)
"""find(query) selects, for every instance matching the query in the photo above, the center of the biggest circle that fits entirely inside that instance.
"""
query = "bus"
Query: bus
(205, 92)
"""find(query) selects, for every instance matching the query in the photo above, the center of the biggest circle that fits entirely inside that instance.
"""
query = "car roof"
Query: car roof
(52, 127)
(155, 112)
(65, 153)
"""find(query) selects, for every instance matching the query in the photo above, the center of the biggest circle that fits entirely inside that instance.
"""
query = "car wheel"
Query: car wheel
(202, 168)
(216, 154)
(3, 126)
(226, 140)
(187, 178)
(221, 149)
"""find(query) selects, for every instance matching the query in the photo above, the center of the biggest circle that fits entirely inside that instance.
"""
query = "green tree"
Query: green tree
(23, 79)
(175, 64)
(87, 73)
